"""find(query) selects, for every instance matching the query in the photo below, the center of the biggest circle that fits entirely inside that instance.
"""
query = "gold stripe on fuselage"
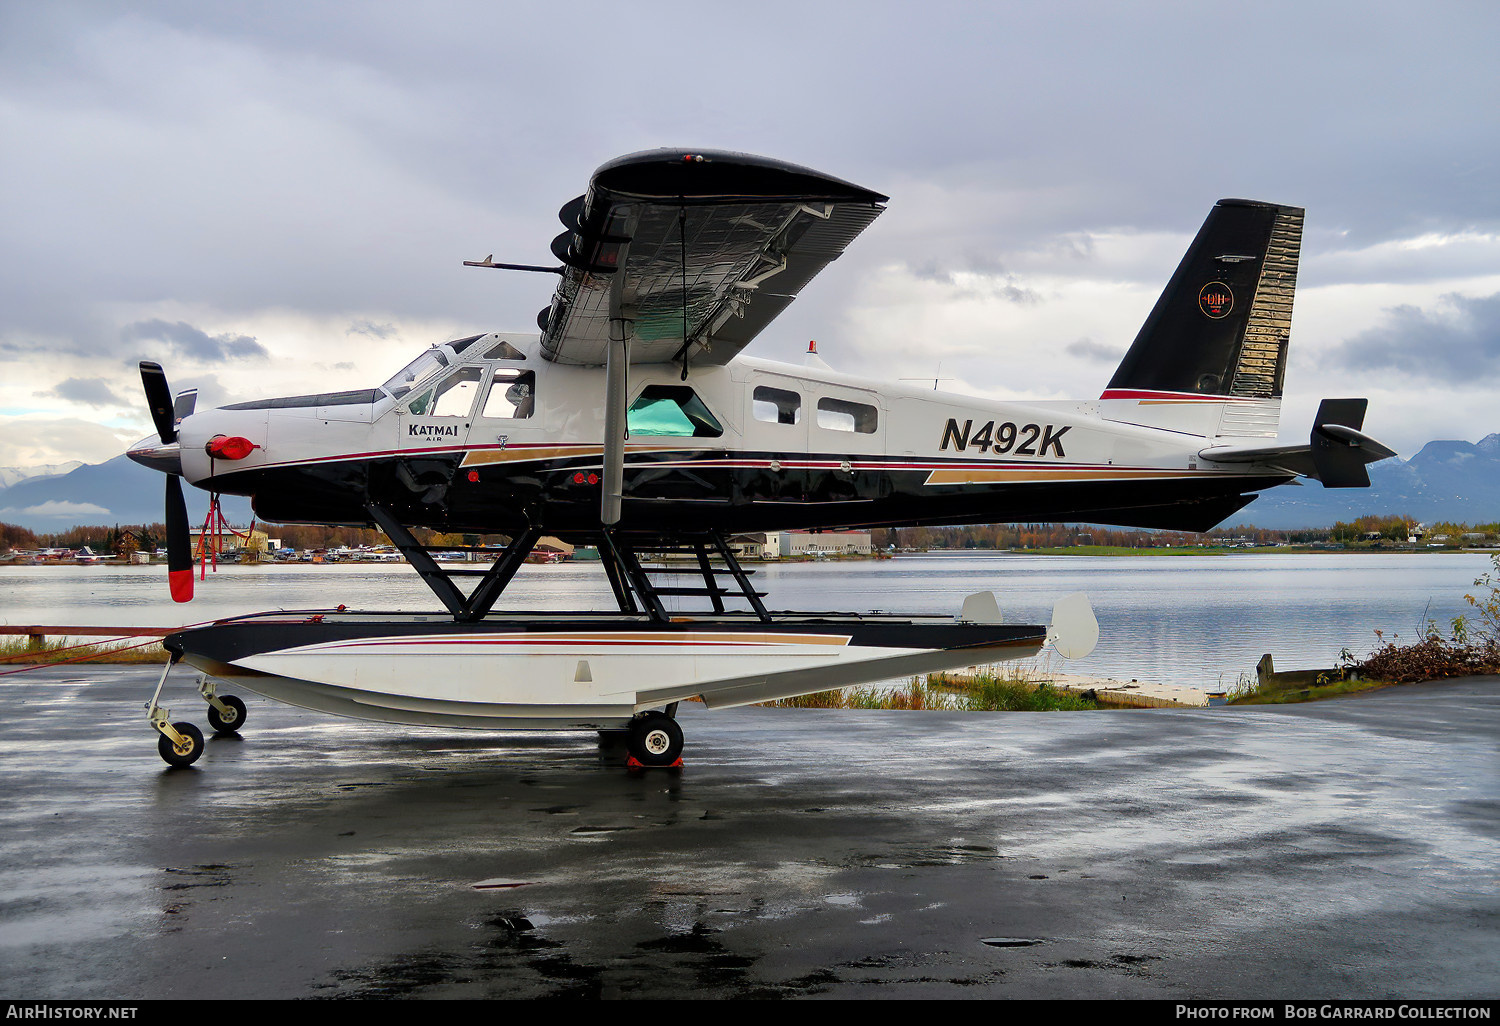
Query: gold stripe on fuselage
(1021, 476)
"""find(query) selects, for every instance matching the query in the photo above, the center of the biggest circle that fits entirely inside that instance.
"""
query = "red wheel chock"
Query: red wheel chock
(636, 767)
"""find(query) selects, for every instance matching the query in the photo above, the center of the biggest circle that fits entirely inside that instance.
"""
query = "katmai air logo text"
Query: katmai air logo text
(1215, 300)
(432, 430)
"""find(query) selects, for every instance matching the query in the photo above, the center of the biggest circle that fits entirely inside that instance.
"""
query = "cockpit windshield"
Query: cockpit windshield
(406, 379)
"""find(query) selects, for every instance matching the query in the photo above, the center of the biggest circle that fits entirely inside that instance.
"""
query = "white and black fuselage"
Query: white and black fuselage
(775, 446)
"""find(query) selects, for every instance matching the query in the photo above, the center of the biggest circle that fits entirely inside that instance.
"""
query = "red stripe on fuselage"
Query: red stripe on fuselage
(1181, 397)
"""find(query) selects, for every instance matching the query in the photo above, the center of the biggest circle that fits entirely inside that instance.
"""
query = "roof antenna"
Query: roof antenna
(933, 380)
(682, 236)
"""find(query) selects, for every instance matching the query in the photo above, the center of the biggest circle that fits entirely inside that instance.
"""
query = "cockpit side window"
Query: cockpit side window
(512, 395)
(671, 410)
(452, 397)
(407, 377)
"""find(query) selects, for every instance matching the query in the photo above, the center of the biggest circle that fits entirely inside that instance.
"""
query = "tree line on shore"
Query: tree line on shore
(1365, 531)
(125, 538)
(1370, 530)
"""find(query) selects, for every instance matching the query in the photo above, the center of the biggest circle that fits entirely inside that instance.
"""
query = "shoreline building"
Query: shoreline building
(793, 544)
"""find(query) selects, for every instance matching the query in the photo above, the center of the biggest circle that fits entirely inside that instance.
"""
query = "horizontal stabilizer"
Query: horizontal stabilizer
(1336, 454)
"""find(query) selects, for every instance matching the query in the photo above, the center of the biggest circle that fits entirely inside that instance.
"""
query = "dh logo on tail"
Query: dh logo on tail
(1215, 300)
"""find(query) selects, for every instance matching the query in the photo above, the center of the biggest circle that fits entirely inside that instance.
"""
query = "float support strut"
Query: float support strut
(478, 604)
(161, 719)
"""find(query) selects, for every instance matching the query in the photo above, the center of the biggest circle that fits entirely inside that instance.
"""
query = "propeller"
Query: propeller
(159, 399)
(165, 414)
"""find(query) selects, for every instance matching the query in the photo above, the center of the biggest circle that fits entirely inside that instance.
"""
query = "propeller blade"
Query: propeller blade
(159, 398)
(179, 543)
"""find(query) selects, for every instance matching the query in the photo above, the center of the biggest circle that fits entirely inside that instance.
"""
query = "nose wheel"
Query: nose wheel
(182, 749)
(655, 739)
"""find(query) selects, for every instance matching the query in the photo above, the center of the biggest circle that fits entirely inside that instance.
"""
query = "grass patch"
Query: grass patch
(989, 690)
(987, 693)
(1288, 692)
(18, 650)
(1125, 550)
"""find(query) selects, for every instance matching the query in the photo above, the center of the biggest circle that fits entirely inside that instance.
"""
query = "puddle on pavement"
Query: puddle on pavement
(198, 876)
(917, 858)
(588, 832)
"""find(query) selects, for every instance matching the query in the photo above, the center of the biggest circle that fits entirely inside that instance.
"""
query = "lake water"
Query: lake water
(1195, 620)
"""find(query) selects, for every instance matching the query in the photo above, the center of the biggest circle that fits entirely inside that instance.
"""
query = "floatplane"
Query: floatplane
(633, 420)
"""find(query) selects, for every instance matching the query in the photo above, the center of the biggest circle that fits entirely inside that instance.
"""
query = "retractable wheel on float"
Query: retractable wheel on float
(226, 713)
(228, 716)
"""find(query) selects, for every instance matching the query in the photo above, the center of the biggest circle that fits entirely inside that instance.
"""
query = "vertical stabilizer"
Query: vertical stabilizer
(1222, 325)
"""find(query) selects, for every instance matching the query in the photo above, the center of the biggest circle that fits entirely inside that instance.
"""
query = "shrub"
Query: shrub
(1472, 646)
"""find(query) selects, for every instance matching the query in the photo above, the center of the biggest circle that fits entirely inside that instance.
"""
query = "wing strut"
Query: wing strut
(615, 424)
(682, 246)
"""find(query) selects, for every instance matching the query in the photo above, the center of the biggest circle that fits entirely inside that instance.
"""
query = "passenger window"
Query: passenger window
(453, 397)
(512, 395)
(671, 410)
(776, 405)
(843, 415)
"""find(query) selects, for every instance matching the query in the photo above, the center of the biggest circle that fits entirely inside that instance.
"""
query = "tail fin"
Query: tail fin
(1222, 325)
(1339, 448)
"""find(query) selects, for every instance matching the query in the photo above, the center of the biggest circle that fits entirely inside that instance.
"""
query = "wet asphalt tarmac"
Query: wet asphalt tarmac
(1348, 849)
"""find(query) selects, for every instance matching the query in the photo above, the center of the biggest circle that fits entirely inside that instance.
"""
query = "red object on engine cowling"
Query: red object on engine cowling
(229, 447)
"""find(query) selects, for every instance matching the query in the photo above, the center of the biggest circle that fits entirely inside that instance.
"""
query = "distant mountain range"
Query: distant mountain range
(11, 475)
(1447, 480)
(116, 492)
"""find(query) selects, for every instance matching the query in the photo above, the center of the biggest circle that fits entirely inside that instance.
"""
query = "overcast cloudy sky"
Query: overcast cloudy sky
(276, 198)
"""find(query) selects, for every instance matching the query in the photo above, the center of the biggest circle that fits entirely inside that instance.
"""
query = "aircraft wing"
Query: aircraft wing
(700, 250)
